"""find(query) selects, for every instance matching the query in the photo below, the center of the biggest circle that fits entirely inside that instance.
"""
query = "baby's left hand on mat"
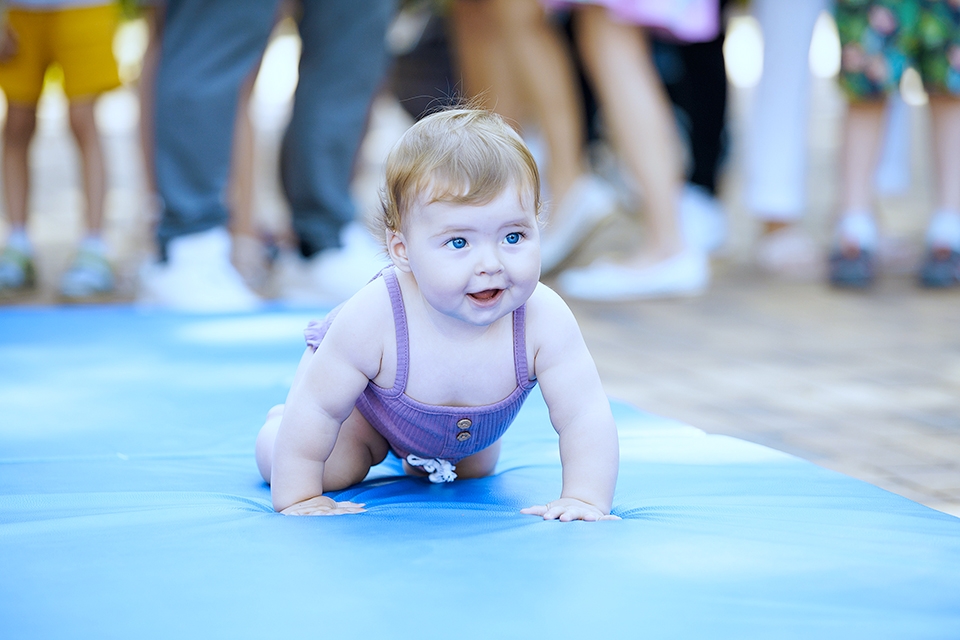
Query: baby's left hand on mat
(322, 506)
(567, 509)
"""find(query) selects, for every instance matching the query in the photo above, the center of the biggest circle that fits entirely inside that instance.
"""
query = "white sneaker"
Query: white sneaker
(685, 274)
(332, 275)
(588, 201)
(90, 276)
(197, 277)
(702, 219)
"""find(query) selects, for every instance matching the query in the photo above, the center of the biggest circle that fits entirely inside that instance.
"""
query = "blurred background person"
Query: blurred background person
(75, 36)
(879, 40)
(639, 123)
(517, 62)
(695, 77)
(208, 50)
(776, 160)
(249, 255)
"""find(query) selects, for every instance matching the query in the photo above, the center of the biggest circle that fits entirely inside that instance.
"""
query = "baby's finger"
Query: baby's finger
(575, 513)
(535, 510)
(554, 513)
(339, 512)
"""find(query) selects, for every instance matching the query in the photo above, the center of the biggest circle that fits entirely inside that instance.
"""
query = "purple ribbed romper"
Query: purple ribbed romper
(426, 430)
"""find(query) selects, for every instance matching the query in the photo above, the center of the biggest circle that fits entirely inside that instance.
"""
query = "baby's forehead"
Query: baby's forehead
(438, 208)
(468, 194)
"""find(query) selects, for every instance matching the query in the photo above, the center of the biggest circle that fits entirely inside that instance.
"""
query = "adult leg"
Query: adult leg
(777, 142)
(249, 253)
(209, 48)
(700, 94)
(342, 64)
(639, 121)
(637, 113)
(544, 68)
(146, 92)
(487, 73)
(776, 149)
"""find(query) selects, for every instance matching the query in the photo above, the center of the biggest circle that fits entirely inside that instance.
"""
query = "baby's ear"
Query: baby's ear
(397, 249)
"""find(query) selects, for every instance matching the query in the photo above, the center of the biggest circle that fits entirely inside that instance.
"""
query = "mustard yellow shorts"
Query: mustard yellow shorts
(78, 40)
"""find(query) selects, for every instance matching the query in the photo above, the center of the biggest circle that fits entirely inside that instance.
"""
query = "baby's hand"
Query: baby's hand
(567, 509)
(322, 506)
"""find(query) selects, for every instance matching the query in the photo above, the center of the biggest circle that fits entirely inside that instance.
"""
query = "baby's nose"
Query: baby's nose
(488, 261)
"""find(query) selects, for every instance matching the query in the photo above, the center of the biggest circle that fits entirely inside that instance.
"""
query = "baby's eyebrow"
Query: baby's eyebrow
(453, 230)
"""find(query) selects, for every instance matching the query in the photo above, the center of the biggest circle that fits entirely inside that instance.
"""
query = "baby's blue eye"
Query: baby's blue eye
(513, 238)
(457, 243)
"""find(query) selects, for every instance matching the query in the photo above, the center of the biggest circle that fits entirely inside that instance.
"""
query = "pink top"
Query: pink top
(426, 430)
(685, 20)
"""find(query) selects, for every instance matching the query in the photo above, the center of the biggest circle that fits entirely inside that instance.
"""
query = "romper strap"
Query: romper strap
(520, 347)
(400, 324)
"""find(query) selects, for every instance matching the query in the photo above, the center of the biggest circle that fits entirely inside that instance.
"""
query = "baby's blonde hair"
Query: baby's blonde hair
(462, 156)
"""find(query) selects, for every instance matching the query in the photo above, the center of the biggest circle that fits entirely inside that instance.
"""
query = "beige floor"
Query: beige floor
(867, 384)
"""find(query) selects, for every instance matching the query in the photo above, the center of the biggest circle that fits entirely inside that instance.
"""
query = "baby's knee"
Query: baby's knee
(266, 440)
(275, 411)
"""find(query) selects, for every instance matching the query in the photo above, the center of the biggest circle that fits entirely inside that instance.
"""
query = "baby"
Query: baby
(433, 358)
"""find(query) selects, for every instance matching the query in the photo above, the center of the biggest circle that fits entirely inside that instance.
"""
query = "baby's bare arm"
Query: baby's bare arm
(323, 395)
(579, 411)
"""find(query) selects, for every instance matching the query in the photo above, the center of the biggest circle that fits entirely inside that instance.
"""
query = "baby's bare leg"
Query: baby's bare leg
(480, 464)
(265, 440)
(358, 448)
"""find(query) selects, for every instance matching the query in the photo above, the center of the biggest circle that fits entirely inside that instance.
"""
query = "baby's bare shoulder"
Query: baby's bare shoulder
(549, 319)
(546, 306)
(363, 327)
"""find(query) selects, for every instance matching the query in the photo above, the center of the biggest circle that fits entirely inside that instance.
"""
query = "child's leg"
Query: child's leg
(941, 265)
(945, 111)
(358, 448)
(17, 133)
(861, 146)
(84, 127)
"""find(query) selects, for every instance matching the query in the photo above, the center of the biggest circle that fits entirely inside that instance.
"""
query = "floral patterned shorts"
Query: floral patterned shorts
(880, 39)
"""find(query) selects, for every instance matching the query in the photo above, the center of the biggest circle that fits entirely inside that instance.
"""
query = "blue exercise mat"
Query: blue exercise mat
(131, 507)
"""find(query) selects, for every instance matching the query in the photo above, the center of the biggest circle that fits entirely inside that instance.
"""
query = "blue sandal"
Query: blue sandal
(852, 267)
(940, 268)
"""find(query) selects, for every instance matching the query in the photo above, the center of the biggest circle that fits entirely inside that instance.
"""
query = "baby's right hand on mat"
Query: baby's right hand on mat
(322, 506)
(568, 509)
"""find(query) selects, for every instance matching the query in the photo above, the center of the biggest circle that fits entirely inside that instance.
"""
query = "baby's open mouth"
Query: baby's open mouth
(487, 295)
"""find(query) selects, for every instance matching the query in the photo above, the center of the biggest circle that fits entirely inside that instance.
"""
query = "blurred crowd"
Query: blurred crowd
(624, 103)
